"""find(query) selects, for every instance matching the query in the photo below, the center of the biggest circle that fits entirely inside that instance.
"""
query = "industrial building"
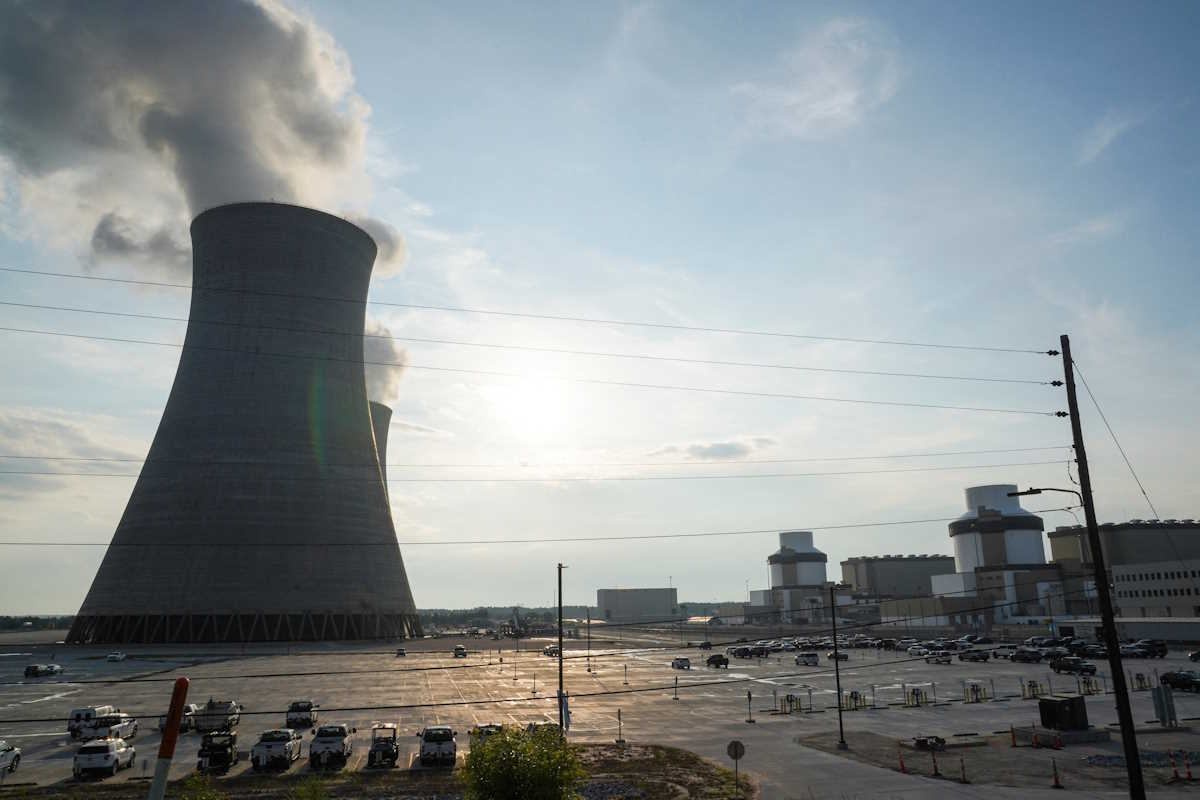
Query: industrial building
(261, 512)
(798, 590)
(1155, 566)
(894, 576)
(1001, 574)
(637, 605)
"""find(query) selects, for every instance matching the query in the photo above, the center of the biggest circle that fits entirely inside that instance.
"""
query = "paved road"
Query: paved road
(360, 684)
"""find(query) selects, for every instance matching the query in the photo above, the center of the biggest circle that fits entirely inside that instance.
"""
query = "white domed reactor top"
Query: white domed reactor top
(995, 531)
(994, 497)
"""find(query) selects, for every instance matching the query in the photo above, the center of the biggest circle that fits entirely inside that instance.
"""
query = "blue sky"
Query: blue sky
(935, 172)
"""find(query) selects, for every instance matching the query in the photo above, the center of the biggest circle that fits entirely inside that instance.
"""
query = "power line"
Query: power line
(568, 479)
(501, 374)
(549, 317)
(550, 540)
(1116, 441)
(532, 349)
(548, 465)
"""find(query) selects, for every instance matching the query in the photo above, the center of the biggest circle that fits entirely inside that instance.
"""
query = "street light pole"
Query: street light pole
(1133, 763)
(560, 652)
(837, 672)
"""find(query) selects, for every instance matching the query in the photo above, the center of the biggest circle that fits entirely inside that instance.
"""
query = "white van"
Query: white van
(808, 659)
(80, 717)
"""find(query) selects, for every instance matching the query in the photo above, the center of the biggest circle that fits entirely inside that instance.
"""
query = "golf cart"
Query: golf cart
(218, 751)
(385, 747)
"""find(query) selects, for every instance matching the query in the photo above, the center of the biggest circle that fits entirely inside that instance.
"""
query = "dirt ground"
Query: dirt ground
(634, 772)
(997, 762)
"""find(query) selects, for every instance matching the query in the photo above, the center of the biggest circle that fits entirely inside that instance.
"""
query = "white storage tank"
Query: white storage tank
(996, 531)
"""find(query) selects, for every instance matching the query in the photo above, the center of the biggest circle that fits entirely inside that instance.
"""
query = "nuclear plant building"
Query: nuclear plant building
(261, 512)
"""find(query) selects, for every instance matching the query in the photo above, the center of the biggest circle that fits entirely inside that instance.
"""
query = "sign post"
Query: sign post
(736, 750)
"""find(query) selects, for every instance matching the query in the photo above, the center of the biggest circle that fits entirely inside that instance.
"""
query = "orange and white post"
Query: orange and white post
(166, 750)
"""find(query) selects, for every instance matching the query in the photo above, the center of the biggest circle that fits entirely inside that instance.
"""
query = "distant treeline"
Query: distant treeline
(35, 623)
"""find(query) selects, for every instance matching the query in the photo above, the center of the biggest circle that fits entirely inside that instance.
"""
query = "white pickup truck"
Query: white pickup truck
(103, 757)
(331, 747)
(276, 749)
(110, 726)
(438, 745)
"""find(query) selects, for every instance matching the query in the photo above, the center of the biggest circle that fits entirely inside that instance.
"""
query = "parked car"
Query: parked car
(1004, 651)
(103, 757)
(706, 645)
(1194, 655)
(974, 655)
(331, 747)
(385, 746)
(1155, 648)
(1073, 665)
(276, 749)
(81, 717)
(983, 640)
(302, 714)
(1095, 651)
(438, 745)
(939, 657)
(187, 721)
(218, 751)
(1026, 655)
(1133, 651)
(808, 659)
(401, 652)
(837, 655)
(1184, 680)
(717, 661)
(918, 650)
(116, 656)
(460, 651)
(550, 650)
(42, 670)
(10, 757)
(218, 715)
(681, 663)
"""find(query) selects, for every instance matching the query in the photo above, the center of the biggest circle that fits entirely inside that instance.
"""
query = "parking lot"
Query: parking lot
(363, 683)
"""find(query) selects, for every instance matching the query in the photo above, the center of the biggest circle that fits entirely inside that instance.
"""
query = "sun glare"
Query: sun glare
(532, 410)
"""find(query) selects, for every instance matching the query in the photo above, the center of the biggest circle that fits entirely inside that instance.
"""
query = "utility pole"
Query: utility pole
(589, 639)
(837, 671)
(560, 652)
(1133, 763)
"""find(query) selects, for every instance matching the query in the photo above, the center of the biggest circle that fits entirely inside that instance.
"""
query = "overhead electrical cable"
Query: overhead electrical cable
(548, 540)
(520, 376)
(526, 315)
(527, 348)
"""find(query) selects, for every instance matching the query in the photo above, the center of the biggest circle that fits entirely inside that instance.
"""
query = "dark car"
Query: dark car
(717, 660)
(706, 645)
(1095, 651)
(1073, 666)
(1184, 680)
(1026, 656)
(218, 751)
(1194, 655)
(974, 655)
(1156, 648)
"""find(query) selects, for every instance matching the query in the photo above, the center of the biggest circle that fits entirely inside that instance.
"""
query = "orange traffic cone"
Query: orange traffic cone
(1036, 743)
(1174, 769)
(1187, 766)
(1057, 783)
(900, 755)
(935, 773)
(1058, 745)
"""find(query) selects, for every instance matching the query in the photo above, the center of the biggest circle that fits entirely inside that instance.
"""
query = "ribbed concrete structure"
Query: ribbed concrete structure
(261, 513)
(381, 421)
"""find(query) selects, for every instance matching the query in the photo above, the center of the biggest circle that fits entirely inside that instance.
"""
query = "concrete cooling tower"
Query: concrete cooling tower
(261, 512)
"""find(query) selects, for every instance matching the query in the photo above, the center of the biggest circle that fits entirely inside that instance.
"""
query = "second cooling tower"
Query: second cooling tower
(261, 511)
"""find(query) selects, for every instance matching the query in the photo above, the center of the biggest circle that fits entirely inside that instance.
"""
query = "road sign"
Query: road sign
(736, 750)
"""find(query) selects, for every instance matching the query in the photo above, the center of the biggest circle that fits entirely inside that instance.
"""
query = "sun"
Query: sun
(533, 410)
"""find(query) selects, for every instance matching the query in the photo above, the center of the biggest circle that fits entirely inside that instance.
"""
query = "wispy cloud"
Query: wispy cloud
(718, 451)
(1112, 126)
(1090, 230)
(838, 74)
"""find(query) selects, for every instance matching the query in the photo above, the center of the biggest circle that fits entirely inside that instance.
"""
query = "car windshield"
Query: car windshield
(218, 741)
(275, 736)
(93, 749)
(384, 733)
(305, 706)
(332, 730)
(438, 735)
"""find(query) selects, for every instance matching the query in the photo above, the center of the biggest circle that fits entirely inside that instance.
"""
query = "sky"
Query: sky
(988, 176)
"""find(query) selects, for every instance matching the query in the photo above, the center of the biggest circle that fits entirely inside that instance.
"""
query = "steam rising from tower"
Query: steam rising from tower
(261, 512)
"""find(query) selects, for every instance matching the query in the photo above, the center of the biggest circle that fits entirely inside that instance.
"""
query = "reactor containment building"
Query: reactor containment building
(261, 512)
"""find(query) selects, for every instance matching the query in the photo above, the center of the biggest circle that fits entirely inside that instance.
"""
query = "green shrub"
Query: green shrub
(516, 765)
(309, 789)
